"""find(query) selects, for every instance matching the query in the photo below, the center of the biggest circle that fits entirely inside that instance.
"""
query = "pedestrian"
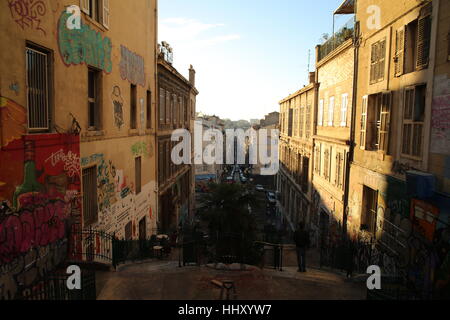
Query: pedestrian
(302, 243)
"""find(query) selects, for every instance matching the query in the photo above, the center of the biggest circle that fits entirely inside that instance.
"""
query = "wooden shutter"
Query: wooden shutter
(400, 51)
(363, 134)
(423, 42)
(383, 138)
(344, 110)
(85, 6)
(320, 114)
(331, 112)
(381, 60)
(105, 13)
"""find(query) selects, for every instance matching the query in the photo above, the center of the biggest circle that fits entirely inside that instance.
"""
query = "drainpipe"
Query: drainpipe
(350, 155)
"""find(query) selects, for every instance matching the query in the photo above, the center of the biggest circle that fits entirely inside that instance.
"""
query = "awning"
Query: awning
(347, 7)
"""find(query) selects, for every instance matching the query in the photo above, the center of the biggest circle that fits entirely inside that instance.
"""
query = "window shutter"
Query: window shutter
(344, 110)
(320, 114)
(331, 112)
(382, 59)
(383, 139)
(423, 42)
(363, 135)
(85, 6)
(105, 15)
(400, 52)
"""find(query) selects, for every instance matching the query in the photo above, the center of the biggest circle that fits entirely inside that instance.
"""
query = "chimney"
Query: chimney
(192, 76)
(312, 77)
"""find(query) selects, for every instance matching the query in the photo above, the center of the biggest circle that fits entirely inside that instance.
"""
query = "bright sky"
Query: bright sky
(248, 54)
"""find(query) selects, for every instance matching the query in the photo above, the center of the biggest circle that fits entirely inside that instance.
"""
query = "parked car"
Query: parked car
(259, 188)
(271, 198)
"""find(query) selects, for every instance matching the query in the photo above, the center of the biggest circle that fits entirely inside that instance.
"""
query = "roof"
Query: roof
(347, 7)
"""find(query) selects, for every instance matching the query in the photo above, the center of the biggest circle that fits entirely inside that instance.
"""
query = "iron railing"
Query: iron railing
(345, 33)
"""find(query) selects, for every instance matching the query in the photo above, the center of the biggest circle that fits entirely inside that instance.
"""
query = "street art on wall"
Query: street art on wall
(28, 13)
(13, 118)
(118, 204)
(132, 67)
(142, 149)
(440, 125)
(84, 45)
(117, 101)
(40, 186)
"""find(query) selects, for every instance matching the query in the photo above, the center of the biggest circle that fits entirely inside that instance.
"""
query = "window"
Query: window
(331, 112)
(308, 122)
(344, 110)
(375, 122)
(133, 107)
(138, 174)
(296, 122)
(320, 114)
(327, 164)
(291, 113)
(162, 106)
(174, 109)
(340, 166)
(369, 213)
(317, 159)
(413, 121)
(149, 110)
(129, 231)
(160, 162)
(423, 42)
(362, 136)
(169, 107)
(399, 58)
(302, 120)
(377, 61)
(37, 64)
(305, 174)
(98, 10)
(94, 77)
(90, 207)
(186, 110)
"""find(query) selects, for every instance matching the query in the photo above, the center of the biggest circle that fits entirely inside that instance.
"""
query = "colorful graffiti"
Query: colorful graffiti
(28, 13)
(13, 118)
(117, 107)
(84, 45)
(142, 149)
(40, 192)
(132, 67)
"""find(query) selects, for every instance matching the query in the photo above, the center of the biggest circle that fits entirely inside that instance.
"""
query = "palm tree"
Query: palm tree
(232, 227)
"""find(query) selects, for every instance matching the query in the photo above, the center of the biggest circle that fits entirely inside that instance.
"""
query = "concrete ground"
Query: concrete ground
(164, 280)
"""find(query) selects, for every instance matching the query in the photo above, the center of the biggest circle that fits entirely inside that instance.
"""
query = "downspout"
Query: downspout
(350, 155)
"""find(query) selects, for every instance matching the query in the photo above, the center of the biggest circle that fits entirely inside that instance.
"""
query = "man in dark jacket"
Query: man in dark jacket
(302, 242)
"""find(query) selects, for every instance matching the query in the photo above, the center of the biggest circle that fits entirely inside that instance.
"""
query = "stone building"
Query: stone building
(82, 80)
(334, 76)
(296, 151)
(175, 185)
(399, 148)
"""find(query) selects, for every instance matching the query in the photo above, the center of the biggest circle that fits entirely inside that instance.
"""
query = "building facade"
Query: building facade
(93, 81)
(295, 152)
(175, 185)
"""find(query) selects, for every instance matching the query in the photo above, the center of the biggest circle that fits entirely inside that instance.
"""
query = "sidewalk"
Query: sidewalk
(164, 280)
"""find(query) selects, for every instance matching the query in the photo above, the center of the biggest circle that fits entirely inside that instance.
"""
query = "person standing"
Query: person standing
(302, 243)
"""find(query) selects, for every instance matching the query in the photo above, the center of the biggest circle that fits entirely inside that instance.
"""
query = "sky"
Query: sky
(248, 54)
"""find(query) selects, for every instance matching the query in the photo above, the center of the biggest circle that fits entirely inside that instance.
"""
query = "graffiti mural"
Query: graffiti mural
(84, 45)
(40, 189)
(13, 118)
(142, 149)
(132, 67)
(28, 13)
(117, 107)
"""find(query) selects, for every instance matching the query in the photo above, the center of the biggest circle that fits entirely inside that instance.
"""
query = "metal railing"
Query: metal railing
(345, 33)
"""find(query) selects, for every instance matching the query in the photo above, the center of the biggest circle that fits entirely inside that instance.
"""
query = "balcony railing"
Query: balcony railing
(345, 33)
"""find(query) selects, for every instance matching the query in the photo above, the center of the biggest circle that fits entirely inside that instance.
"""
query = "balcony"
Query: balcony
(342, 35)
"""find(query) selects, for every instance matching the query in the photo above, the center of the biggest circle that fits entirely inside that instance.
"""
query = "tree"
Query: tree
(232, 227)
